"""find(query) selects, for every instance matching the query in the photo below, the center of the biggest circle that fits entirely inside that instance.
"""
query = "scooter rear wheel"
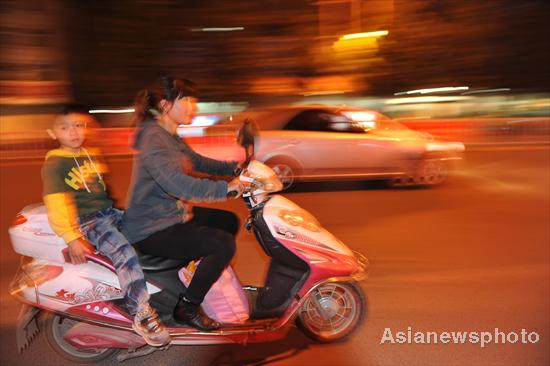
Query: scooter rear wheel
(55, 328)
(332, 312)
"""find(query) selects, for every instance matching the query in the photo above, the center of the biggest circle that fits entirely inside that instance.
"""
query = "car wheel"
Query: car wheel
(285, 170)
(55, 328)
(332, 312)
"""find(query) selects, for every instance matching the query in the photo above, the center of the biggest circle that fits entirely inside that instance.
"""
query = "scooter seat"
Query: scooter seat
(151, 263)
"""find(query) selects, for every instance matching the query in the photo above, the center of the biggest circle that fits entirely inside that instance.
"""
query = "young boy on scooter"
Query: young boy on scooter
(82, 213)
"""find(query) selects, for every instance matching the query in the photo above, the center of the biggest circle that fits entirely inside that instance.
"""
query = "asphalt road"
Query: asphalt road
(471, 255)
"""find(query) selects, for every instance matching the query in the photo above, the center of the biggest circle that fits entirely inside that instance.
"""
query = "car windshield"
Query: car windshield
(320, 120)
(371, 120)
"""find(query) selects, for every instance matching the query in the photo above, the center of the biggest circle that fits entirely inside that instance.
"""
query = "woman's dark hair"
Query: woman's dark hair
(165, 87)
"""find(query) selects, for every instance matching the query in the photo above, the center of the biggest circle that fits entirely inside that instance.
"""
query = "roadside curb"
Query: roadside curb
(507, 146)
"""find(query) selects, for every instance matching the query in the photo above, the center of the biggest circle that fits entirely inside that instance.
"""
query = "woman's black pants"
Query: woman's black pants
(210, 235)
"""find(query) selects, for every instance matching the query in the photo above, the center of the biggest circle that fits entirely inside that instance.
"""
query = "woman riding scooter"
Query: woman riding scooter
(158, 219)
(311, 280)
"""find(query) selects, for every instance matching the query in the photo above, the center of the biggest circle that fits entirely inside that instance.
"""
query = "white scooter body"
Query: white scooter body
(67, 285)
(311, 278)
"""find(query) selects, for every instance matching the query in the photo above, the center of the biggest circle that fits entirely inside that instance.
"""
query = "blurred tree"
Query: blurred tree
(498, 43)
(114, 48)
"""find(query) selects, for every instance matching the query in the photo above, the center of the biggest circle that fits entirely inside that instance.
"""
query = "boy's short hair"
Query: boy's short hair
(75, 108)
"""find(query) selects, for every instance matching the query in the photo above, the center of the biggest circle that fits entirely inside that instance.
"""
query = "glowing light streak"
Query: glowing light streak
(128, 110)
(218, 29)
(365, 35)
(433, 90)
(486, 91)
(433, 99)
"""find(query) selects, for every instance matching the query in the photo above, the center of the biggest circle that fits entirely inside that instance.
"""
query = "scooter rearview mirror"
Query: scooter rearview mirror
(245, 136)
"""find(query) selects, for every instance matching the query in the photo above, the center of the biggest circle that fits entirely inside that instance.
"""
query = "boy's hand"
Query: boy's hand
(77, 250)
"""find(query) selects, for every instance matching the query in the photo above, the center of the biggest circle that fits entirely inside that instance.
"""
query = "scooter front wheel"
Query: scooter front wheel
(332, 312)
(55, 328)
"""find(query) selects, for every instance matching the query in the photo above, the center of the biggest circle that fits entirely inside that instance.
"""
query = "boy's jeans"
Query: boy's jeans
(101, 229)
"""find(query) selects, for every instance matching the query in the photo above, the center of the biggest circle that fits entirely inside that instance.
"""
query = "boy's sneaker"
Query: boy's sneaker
(148, 325)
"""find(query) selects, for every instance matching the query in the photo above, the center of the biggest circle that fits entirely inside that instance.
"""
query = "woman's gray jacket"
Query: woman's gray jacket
(160, 185)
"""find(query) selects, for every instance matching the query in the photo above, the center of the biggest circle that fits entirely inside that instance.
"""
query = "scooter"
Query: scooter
(311, 282)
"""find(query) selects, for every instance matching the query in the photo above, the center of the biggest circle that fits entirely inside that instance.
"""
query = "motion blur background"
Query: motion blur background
(469, 255)
(101, 52)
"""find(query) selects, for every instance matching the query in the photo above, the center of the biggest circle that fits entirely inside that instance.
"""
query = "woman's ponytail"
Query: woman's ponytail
(142, 104)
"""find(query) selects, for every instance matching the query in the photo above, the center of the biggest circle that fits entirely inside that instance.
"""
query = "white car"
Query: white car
(318, 142)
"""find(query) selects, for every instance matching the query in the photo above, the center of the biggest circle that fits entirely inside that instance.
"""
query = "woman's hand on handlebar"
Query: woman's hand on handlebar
(235, 188)
(241, 167)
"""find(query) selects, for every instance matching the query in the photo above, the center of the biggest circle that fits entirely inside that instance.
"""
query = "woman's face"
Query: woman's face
(183, 110)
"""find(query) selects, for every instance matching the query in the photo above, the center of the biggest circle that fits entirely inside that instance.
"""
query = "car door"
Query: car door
(367, 153)
(320, 141)
(380, 151)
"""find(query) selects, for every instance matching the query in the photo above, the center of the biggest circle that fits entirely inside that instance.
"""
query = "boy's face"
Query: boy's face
(70, 130)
